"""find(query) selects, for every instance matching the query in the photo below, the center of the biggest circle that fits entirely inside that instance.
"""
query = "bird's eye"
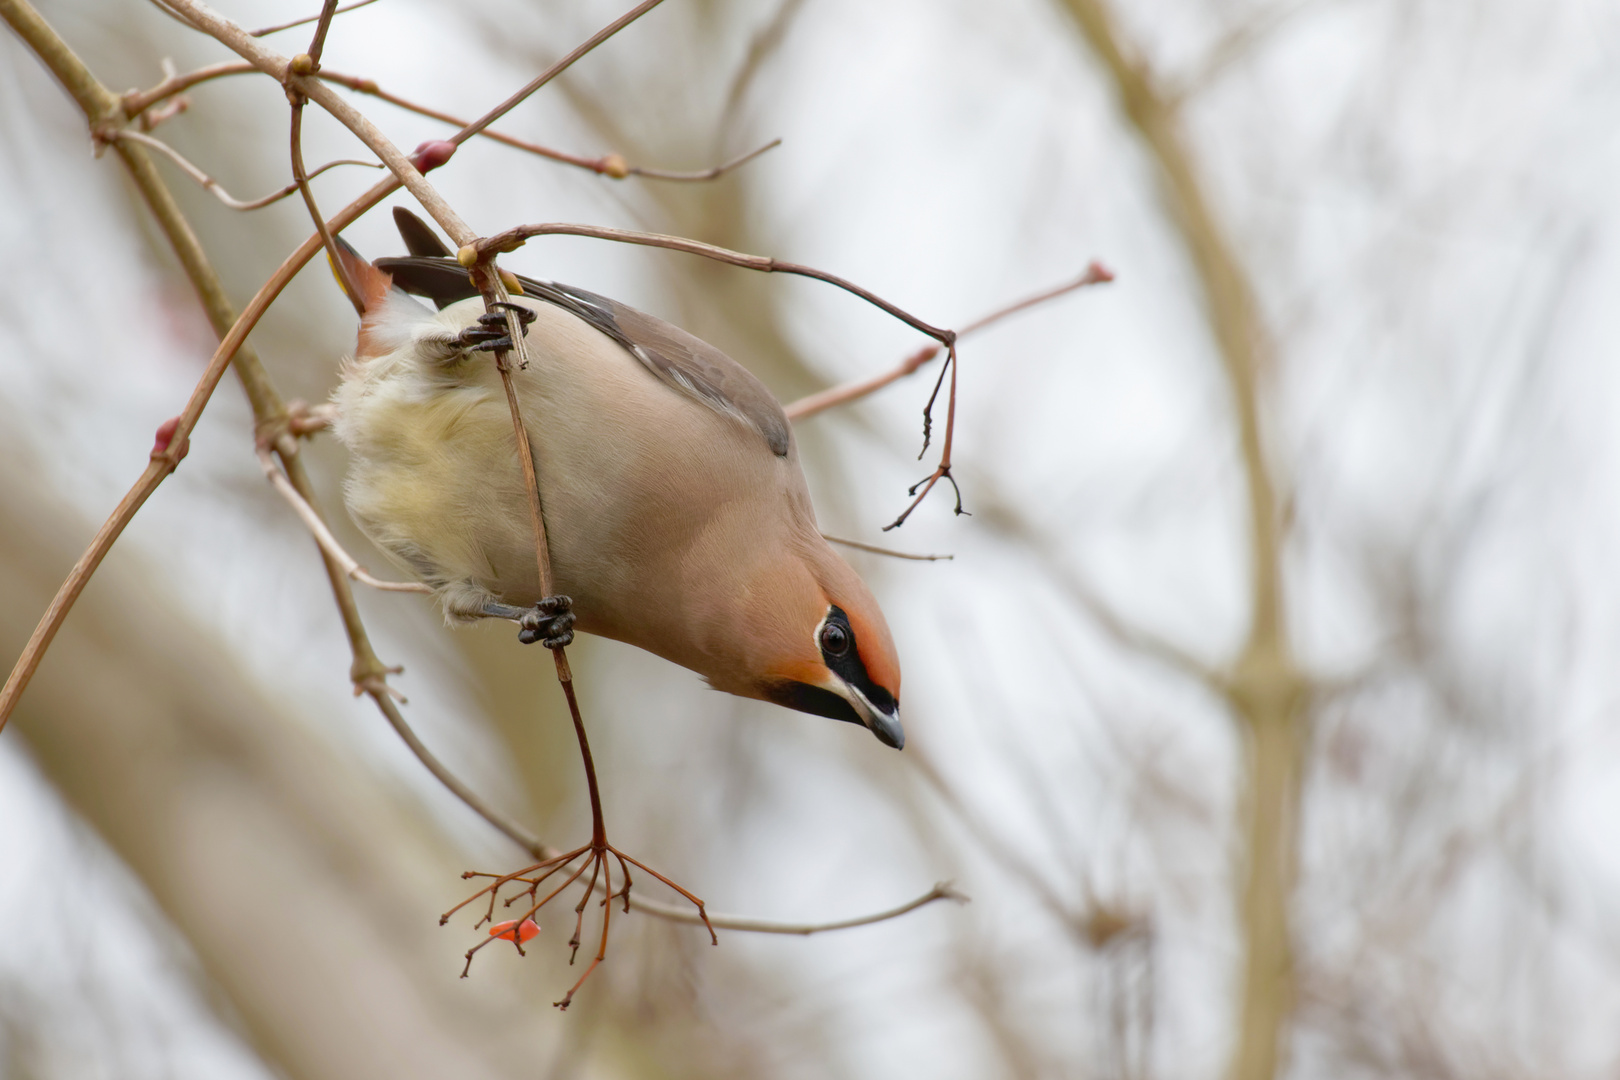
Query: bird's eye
(834, 639)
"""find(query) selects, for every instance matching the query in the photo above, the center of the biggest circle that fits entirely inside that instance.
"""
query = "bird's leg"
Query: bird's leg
(550, 622)
(491, 333)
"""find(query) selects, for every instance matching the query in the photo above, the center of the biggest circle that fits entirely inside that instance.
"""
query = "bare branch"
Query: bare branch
(941, 891)
(323, 26)
(1094, 274)
(136, 102)
(853, 391)
(713, 173)
(585, 47)
(514, 238)
(308, 63)
(282, 69)
(609, 165)
(213, 186)
(323, 536)
(875, 550)
(308, 19)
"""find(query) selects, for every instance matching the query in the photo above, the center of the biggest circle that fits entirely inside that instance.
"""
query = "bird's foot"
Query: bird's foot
(491, 334)
(551, 622)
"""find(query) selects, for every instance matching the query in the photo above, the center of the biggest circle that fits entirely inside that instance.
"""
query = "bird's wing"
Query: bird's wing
(419, 237)
(681, 361)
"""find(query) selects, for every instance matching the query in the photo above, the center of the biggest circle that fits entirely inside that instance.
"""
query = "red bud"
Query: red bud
(431, 154)
(165, 435)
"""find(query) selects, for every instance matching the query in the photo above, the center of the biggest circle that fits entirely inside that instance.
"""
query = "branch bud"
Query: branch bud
(165, 436)
(431, 154)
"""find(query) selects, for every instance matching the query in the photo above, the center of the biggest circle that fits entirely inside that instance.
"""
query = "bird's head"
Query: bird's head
(840, 660)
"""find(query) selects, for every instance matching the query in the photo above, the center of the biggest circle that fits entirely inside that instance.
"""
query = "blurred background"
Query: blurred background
(1266, 711)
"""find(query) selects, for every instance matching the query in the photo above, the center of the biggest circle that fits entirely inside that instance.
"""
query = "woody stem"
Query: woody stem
(598, 826)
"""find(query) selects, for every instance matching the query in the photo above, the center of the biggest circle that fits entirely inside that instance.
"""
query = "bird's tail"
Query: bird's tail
(370, 284)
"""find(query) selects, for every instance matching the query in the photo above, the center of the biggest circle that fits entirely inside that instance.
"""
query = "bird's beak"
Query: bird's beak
(885, 725)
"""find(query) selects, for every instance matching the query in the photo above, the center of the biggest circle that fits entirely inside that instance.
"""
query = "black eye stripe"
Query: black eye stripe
(847, 663)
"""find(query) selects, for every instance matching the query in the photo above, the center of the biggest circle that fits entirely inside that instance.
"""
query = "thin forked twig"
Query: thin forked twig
(1094, 274)
(213, 186)
(263, 31)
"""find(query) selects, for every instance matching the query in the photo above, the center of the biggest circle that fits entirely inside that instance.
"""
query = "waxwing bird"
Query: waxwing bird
(677, 515)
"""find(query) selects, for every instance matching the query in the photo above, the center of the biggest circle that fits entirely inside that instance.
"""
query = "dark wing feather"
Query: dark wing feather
(419, 237)
(681, 361)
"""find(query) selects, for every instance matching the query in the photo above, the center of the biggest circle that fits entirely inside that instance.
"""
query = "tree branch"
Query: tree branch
(1095, 274)
(214, 187)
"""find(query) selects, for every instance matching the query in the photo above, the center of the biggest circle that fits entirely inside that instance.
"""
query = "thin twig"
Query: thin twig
(317, 42)
(307, 63)
(875, 550)
(1095, 273)
(308, 19)
(610, 165)
(583, 48)
(941, 891)
(323, 535)
(138, 101)
(295, 76)
(295, 79)
(712, 173)
(943, 470)
(853, 391)
(272, 63)
(213, 186)
(514, 238)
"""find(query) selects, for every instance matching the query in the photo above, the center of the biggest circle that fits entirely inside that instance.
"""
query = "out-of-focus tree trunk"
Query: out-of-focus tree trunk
(1265, 687)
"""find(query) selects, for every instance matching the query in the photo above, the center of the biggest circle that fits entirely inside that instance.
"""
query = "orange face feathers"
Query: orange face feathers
(845, 667)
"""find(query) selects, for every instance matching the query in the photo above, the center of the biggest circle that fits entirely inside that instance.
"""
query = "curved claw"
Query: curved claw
(491, 333)
(551, 623)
